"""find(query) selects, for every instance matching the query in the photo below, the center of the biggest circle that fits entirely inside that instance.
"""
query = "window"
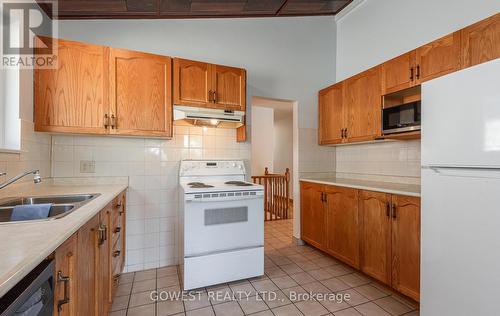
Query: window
(10, 123)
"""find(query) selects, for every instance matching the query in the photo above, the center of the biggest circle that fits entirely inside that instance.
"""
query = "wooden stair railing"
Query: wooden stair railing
(276, 194)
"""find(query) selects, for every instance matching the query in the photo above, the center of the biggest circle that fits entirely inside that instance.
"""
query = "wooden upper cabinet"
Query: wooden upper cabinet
(241, 133)
(398, 73)
(312, 214)
(201, 84)
(375, 235)
(192, 83)
(481, 41)
(438, 58)
(342, 224)
(363, 101)
(140, 86)
(331, 116)
(66, 296)
(74, 97)
(229, 87)
(406, 245)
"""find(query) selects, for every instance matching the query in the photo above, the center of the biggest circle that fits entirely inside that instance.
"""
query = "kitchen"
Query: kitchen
(73, 161)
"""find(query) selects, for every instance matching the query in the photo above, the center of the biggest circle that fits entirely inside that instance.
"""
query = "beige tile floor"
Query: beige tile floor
(289, 269)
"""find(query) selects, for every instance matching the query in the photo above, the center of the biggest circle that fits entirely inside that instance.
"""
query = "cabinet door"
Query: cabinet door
(312, 214)
(229, 86)
(192, 83)
(331, 118)
(87, 264)
(406, 245)
(241, 134)
(74, 97)
(398, 73)
(481, 41)
(140, 86)
(363, 102)
(343, 224)
(375, 235)
(103, 263)
(438, 58)
(66, 280)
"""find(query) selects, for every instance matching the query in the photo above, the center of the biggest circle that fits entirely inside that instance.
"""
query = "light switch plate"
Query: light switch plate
(87, 166)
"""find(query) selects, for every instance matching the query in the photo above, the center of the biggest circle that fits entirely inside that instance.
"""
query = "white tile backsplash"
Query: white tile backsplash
(34, 154)
(382, 161)
(152, 167)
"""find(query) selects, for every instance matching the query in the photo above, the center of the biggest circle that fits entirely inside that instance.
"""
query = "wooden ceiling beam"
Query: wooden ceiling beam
(154, 10)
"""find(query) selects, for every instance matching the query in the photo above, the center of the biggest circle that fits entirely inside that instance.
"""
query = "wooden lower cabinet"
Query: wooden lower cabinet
(342, 224)
(406, 245)
(87, 266)
(103, 262)
(377, 233)
(313, 219)
(86, 263)
(66, 278)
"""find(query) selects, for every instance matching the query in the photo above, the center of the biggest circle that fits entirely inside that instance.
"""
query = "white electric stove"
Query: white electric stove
(221, 223)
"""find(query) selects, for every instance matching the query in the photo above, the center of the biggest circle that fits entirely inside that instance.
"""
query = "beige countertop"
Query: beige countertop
(387, 187)
(24, 245)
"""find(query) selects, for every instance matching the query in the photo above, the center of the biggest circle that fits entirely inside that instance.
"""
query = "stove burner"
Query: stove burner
(239, 183)
(199, 185)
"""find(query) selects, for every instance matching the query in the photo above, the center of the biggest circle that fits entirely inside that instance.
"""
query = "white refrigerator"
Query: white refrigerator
(460, 221)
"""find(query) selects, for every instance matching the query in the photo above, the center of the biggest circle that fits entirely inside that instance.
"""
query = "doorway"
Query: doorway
(274, 157)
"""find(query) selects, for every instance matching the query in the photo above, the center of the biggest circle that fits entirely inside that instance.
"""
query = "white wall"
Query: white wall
(379, 30)
(283, 145)
(262, 140)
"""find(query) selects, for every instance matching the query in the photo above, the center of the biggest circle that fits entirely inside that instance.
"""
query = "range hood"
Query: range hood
(209, 117)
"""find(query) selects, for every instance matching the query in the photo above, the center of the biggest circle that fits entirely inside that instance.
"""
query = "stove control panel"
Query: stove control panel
(212, 167)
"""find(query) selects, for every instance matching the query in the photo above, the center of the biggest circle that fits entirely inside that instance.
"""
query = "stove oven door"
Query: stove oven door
(218, 226)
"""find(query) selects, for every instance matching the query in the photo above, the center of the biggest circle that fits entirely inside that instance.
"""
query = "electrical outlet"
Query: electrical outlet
(87, 166)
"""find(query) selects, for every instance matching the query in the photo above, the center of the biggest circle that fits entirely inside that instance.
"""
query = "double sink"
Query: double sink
(62, 205)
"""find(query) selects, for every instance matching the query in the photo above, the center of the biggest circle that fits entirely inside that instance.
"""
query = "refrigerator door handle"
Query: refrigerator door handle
(472, 172)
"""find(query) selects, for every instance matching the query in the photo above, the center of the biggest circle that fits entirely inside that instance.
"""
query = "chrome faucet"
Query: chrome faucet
(35, 173)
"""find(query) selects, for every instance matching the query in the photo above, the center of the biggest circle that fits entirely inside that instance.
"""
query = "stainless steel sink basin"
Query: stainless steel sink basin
(62, 204)
(59, 199)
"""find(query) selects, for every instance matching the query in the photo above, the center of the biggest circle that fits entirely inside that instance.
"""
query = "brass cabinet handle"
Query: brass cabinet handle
(106, 121)
(411, 74)
(388, 209)
(418, 71)
(345, 133)
(215, 97)
(102, 234)
(118, 229)
(116, 253)
(394, 208)
(210, 96)
(65, 280)
(113, 121)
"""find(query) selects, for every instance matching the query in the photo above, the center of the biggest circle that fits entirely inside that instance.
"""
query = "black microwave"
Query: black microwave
(401, 118)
